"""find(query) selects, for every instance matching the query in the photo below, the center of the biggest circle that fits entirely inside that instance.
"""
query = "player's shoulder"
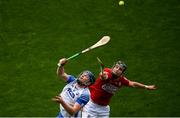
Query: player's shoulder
(124, 80)
(123, 77)
(84, 97)
(86, 91)
(70, 79)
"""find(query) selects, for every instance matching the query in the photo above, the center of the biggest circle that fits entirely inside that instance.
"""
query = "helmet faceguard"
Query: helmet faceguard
(91, 78)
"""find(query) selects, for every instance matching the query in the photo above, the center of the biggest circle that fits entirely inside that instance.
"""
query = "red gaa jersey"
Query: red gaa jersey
(103, 90)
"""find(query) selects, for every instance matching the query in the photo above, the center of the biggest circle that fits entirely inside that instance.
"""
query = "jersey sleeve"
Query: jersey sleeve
(125, 81)
(84, 98)
(70, 79)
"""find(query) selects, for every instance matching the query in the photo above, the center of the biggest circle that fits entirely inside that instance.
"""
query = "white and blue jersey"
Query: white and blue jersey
(72, 94)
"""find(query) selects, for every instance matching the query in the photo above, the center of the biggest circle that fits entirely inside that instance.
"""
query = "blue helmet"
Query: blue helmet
(90, 76)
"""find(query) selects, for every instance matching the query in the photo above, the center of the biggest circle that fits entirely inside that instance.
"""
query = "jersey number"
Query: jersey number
(71, 93)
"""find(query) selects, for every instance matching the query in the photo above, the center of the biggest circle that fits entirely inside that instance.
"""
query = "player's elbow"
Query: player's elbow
(72, 112)
(61, 75)
(132, 84)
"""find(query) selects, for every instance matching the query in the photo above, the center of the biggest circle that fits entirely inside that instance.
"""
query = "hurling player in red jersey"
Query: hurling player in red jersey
(106, 85)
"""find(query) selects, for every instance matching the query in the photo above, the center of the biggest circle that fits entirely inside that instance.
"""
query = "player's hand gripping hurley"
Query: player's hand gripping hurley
(104, 40)
(102, 73)
(101, 65)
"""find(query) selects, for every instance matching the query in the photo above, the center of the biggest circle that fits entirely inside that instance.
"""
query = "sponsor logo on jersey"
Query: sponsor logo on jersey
(110, 88)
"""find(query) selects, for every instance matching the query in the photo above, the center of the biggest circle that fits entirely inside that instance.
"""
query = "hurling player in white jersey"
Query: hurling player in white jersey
(75, 94)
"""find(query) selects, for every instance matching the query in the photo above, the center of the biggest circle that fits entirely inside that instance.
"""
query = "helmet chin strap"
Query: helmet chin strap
(114, 76)
(80, 83)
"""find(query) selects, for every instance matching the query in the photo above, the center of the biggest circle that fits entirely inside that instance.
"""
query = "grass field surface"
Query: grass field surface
(35, 34)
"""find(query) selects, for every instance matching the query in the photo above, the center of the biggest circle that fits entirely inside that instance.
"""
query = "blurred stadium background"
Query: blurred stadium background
(35, 34)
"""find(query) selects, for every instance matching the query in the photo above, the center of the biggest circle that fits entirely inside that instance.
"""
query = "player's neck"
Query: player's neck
(80, 86)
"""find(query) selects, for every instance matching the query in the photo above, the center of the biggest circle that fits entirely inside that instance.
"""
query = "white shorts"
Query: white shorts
(94, 110)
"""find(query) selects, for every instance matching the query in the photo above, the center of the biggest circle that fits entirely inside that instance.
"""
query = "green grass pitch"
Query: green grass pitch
(35, 34)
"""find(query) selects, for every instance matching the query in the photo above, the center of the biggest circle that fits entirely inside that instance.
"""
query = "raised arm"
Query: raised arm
(137, 84)
(60, 69)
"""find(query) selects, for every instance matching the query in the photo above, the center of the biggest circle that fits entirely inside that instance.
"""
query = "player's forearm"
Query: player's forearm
(60, 71)
(68, 108)
(137, 84)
